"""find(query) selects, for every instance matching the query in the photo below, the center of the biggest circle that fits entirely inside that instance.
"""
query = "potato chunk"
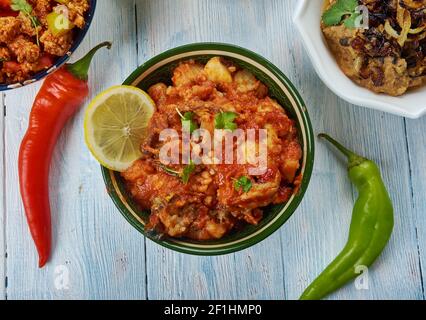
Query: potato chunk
(187, 73)
(245, 81)
(217, 72)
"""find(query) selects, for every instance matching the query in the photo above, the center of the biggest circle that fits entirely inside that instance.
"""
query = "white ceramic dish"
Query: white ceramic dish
(307, 20)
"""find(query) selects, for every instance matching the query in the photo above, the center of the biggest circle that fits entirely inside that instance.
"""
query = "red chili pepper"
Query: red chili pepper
(59, 98)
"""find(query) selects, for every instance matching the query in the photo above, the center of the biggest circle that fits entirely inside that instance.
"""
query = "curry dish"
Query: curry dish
(33, 33)
(390, 56)
(211, 203)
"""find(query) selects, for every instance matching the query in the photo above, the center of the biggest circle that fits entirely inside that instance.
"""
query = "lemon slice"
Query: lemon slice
(115, 125)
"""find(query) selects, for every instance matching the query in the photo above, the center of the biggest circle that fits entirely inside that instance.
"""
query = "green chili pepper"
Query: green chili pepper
(371, 226)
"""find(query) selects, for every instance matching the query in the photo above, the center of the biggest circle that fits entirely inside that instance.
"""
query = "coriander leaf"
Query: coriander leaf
(348, 5)
(188, 122)
(21, 5)
(184, 175)
(243, 183)
(187, 171)
(225, 120)
(350, 22)
(24, 7)
(334, 15)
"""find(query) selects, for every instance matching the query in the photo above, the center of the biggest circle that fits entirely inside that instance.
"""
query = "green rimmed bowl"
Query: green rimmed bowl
(159, 69)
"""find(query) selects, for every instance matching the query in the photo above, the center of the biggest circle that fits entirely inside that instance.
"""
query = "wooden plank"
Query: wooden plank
(416, 135)
(96, 254)
(303, 237)
(2, 205)
(324, 227)
(319, 230)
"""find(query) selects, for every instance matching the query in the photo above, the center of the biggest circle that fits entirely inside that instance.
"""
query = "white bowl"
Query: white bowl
(307, 20)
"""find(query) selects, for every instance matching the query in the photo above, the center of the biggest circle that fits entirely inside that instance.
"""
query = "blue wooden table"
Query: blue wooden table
(98, 255)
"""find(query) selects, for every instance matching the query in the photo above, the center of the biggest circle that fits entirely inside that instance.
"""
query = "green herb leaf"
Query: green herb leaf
(187, 171)
(21, 5)
(243, 183)
(24, 7)
(170, 171)
(225, 120)
(334, 15)
(35, 21)
(350, 22)
(188, 122)
(184, 175)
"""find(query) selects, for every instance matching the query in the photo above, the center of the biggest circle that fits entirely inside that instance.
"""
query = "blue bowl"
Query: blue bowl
(61, 60)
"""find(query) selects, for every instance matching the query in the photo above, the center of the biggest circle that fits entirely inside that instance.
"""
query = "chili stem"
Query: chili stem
(353, 158)
(80, 69)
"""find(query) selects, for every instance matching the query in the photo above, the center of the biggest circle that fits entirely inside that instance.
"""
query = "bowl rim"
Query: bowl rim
(59, 61)
(388, 104)
(222, 49)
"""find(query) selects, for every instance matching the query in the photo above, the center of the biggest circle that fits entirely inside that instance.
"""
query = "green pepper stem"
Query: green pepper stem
(80, 68)
(353, 158)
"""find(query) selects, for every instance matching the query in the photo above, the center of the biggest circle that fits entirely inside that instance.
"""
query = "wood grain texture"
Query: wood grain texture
(2, 205)
(319, 229)
(99, 254)
(416, 137)
(105, 258)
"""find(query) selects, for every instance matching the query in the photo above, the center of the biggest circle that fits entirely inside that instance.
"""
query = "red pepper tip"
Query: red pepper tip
(42, 262)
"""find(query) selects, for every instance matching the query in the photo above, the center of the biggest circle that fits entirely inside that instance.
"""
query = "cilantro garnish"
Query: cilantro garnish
(243, 183)
(184, 175)
(24, 7)
(170, 171)
(187, 171)
(21, 5)
(225, 120)
(188, 122)
(342, 9)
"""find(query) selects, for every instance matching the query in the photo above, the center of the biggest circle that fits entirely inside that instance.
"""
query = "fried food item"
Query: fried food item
(210, 203)
(27, 43)
(388, 57)
(56, 45)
